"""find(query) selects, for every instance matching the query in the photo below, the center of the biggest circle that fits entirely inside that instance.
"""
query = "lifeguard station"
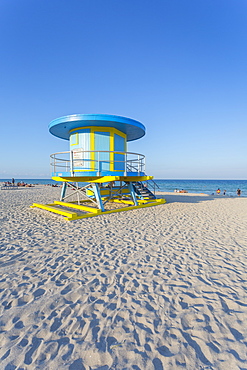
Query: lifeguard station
(97, 170)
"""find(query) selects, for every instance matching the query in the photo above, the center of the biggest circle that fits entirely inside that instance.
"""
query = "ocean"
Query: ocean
(192, 186)
(204, 186)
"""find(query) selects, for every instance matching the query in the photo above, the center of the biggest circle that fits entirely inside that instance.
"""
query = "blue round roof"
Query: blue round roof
(61, 127)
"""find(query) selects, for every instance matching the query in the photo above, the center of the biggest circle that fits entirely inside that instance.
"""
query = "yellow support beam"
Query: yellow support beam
(77, 206)
(51, 208)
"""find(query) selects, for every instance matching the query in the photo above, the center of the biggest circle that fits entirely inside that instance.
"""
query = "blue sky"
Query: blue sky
(177, 66)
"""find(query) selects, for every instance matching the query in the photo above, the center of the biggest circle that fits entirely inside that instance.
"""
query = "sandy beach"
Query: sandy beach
(156, 288)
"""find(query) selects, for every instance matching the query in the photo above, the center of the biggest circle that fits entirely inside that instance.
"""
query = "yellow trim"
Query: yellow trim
(77, 139)
(112, 149)
(103, 129)
(87, 179)
(92, 148)
(83, 170)
(79, 128)
(101, 178)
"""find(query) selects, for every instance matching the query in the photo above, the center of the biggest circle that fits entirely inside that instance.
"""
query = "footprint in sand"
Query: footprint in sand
(28, 356)
(38, 292)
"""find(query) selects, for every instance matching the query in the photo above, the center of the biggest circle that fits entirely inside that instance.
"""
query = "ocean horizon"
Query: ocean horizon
(169, 185)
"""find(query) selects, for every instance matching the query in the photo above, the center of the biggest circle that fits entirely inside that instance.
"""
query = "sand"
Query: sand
(156, 288)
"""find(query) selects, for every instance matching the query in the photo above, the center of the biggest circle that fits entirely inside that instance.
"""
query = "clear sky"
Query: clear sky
(177, 66)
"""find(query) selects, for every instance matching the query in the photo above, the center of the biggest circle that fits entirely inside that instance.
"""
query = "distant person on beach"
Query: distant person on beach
(111, 184)
(13, 181)
(224, 192)
(238, 192)
(218, 191)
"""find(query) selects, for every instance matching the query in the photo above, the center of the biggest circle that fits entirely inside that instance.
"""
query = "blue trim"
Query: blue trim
(62, 126)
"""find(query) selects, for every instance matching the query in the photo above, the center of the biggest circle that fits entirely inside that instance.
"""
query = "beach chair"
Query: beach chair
(9, 187)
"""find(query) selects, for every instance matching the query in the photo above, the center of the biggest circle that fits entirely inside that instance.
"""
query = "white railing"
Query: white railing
(78, 159)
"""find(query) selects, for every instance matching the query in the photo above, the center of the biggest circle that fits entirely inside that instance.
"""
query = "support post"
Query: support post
(132, 192)
(78, 195)
(125, 164)
(63, 191)
(98, 165)
(96, 190)
(71, 163)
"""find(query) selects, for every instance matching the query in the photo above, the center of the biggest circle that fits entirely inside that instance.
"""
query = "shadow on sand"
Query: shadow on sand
(191, 198)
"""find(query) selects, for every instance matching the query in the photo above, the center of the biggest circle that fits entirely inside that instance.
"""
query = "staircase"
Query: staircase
(142, 191)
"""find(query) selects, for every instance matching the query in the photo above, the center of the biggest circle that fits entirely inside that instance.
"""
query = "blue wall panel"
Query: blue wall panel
(119, 145)
(102, 142)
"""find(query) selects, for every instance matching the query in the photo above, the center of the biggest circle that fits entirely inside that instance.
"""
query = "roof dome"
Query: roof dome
(62, 126)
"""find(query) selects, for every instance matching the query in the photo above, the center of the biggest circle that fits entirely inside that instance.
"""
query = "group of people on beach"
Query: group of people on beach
(224, 192)
(10, 183)
(180, 191)
(24, 184)
(19, 183)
